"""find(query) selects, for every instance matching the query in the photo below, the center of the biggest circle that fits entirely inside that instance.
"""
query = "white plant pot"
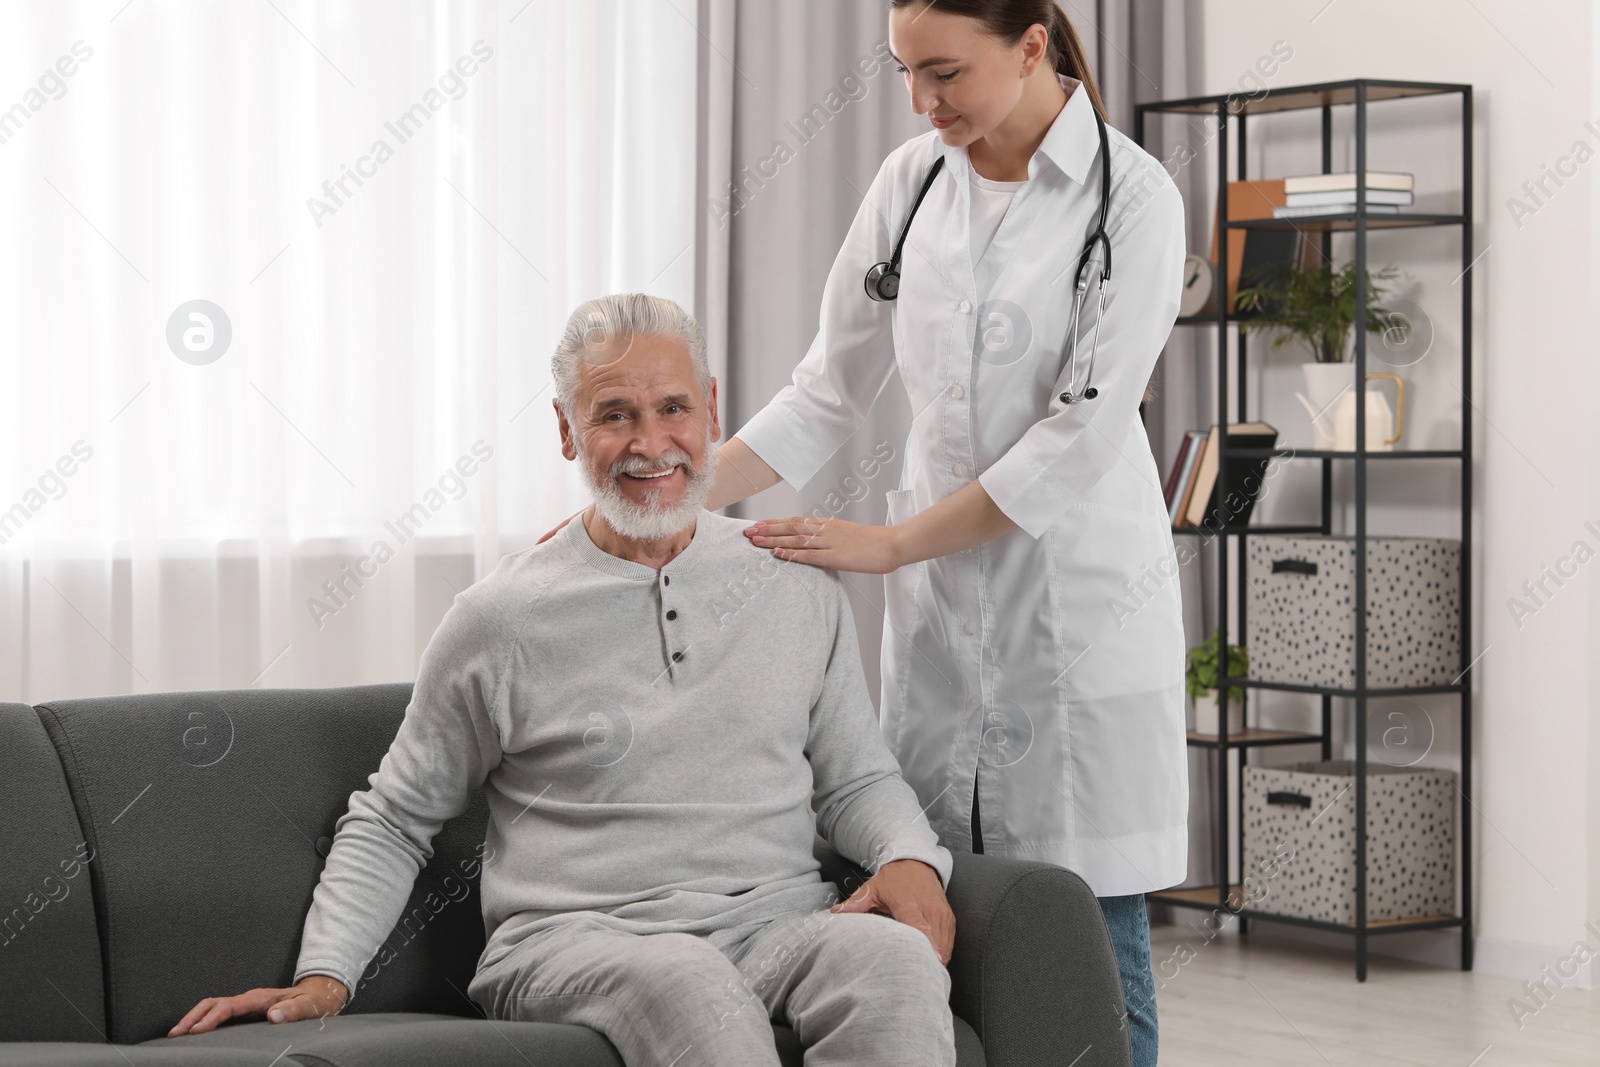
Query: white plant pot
(1205, 715)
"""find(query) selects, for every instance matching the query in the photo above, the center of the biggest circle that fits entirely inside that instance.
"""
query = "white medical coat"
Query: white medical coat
(1048, 662)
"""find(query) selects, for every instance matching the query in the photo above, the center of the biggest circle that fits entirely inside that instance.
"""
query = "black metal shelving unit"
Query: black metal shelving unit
(1358, 93)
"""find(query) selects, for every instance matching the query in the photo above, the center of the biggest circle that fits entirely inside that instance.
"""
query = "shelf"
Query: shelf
(1205, 896)
(1346, 220)
(1252, 530)
(1253, 738)
(1210, 320)
(1342, 691)
(1373, 927)
(1378, 926)
(1303, 97)
(1313, 453)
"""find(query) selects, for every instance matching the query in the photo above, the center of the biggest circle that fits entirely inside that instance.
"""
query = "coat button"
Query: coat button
(965, 307)
(971, 628)
(676, 656)
(957, 392)
(671, 615)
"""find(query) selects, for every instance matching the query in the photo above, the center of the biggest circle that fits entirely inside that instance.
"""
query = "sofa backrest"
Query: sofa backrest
(50, 977)
(210, 814)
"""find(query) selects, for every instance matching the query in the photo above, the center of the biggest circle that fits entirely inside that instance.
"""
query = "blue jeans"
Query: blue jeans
(1130, 939)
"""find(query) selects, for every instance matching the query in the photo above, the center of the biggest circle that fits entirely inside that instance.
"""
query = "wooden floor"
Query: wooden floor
(1254, 1002)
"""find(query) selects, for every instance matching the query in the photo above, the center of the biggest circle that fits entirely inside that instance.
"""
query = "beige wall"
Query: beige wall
(1537, 736)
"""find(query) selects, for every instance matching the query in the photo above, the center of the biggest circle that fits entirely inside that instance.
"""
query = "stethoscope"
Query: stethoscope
(883, 280)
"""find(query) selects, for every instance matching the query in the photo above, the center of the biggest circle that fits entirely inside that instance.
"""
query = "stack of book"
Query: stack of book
(1192, 483)
(1325, 194)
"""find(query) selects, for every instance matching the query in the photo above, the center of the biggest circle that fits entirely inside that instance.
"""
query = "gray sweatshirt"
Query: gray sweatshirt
(651, 745)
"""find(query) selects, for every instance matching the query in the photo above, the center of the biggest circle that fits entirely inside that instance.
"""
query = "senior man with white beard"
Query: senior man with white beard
(650, 760)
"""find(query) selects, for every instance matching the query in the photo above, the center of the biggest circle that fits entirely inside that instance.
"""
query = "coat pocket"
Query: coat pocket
(899, 504)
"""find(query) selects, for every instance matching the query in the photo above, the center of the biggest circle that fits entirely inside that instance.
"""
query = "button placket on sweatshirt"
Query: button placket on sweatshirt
(673, 633)
(674, 619)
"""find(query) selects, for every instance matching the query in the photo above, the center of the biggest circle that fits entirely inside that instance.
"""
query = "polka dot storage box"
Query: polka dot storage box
(1300, 624)
(1300, 841)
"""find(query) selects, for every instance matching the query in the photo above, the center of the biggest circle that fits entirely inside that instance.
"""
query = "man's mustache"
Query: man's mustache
(665, 462)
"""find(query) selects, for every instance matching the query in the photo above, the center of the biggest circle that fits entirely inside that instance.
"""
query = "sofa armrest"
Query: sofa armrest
(1033, 971)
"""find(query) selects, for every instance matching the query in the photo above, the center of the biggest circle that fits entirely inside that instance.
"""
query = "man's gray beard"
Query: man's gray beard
(648, 522)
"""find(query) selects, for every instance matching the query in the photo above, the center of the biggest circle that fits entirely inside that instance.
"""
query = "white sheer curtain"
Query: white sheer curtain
(394, 206)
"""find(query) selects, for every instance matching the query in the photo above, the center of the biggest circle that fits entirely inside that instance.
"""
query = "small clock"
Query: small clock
(1199, 283)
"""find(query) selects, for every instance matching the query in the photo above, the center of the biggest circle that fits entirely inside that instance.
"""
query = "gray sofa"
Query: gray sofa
(158, 849)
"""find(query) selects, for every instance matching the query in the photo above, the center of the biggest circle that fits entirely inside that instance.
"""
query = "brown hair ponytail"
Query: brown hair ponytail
(1010, 19)
(1070, 57)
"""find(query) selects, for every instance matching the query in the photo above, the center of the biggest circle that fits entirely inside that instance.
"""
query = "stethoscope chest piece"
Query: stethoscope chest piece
(883, 282)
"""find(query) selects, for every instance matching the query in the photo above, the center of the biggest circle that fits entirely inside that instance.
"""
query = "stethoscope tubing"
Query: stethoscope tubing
(883, 280)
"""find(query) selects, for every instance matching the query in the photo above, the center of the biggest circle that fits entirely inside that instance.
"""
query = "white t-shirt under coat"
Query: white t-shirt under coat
(990, 201)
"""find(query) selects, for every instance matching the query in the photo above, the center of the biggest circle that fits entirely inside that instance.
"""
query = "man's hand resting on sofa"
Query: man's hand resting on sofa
(317, 995)
(909, 891)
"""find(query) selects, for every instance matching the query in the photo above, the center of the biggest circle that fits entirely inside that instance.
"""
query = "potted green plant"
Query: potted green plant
(1316, 305)
(1200, 679)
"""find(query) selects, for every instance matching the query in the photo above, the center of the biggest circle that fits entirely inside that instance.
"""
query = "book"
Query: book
(1246, 200)
(1245, 476)
(1348, 196)
(1249, 250)
(1172, 475)
(1322, 183)
(1264, 249)
(1191, 467)
(1297, 212)
(1182, 470)
(1205, 476)
(1175, 480)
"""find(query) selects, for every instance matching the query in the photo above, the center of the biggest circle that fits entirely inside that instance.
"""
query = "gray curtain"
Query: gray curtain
(809, 130)
(792, 121)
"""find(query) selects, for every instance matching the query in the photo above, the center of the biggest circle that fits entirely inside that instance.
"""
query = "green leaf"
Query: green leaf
(1200, 669)
(1316, 305)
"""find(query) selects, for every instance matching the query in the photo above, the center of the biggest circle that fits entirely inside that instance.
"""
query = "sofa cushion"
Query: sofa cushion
(205, 812)
(81, 1054)
(414, 1040)
(404, 1039)
(50, 981)
(484, 1044)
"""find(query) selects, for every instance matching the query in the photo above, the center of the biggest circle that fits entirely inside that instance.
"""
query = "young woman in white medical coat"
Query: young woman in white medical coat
(1033, 646)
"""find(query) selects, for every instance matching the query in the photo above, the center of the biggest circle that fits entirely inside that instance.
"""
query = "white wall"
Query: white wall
(1537, 737)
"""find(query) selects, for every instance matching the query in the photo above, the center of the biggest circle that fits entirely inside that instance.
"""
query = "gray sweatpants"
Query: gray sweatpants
(856, 988)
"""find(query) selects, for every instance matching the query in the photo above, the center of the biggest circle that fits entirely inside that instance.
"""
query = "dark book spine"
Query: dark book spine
(1245, 477)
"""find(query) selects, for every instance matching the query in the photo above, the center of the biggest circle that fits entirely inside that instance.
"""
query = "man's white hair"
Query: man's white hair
(621, 317)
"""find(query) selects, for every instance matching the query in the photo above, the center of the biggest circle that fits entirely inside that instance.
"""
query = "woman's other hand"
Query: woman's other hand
(558, 526)
(829, 542)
